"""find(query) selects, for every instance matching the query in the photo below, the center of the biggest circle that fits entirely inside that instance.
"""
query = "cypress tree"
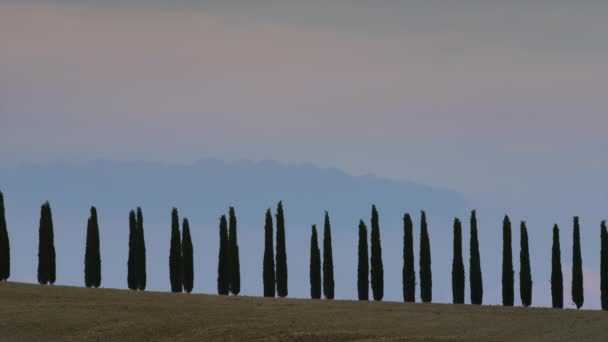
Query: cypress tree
(92, 258)
(46, 246)
(476, 281)
(363, 265)
(187, 257)
(43, 270)
(457, 265)
(223, 267)
(557, 280)
(315, 265)
(235, 265)
(131, 263)
(268, 272)
(140, 260)
(426, 281)
(175, 254)
(604, 265)
(507, 264)
(281, 256)
(525, 274)
(409, 274)
(328, 261)
(5, 251)
(377, 269)
(577, 266)
(51, 246)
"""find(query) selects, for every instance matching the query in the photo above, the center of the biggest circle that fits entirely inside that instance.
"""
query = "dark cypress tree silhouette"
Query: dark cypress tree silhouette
(235, 265)
(187, 257)
(268, 272)
(426, 281)
(175, 254)
(315, 265)
(363, 264)
(223, 266)
(457, 265)
(377, 269)
(507, 264)
(409, 274)
(281, 255)
(475, 277)
(43, 272)
(5, 250)
(577, 266)
(46, 247)
(525, 273)
(328, 261)
(131, 263)
(92, 257)
(51, 245)
(140, 260)
(557, 280)
(604, 265)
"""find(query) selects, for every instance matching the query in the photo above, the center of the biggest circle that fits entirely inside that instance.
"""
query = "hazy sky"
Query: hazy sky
(485, 97)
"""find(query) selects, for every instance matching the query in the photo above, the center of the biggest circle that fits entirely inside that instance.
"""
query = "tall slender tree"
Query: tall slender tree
(475, 277)
(268, 272)
(328, 260)
(363, 264)
(175, 254)
(92, 257)
(223, 267)
(457, 265)
(604, 265)
(557, 280)
(140, 260)
(377, 269)
(577, 266)
(43, 267)
(235, 264)
(281, 255)
(187, 257)
(525, 273)
(5, 250)
(131, 263)
(46, 247)
(315, 265)
(409, 274)
(426, 281)
(507, 264)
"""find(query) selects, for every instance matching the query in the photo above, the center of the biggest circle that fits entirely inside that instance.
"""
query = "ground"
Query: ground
(59, 313)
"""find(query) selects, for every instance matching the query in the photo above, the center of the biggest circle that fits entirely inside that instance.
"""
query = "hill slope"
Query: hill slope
(58, 313)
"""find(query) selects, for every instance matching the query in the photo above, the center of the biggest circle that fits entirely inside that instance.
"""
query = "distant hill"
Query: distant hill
(203, 191)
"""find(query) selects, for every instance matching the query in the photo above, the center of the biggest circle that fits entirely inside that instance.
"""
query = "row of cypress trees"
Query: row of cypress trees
(377, 270)
(275, 265)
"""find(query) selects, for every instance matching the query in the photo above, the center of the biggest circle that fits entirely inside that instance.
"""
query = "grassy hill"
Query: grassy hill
(57, 313)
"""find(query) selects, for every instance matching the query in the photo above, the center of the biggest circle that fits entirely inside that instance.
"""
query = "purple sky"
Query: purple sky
(478, 97)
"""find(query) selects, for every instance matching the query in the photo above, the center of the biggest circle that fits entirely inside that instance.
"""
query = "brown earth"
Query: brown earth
(58, 313)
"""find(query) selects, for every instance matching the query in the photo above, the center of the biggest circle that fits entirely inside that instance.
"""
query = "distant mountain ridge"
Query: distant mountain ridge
(210, 183)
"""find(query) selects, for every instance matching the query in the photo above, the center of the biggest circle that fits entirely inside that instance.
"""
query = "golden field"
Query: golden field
(59, 313)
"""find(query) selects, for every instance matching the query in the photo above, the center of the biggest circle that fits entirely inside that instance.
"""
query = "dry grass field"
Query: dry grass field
(57, 313)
